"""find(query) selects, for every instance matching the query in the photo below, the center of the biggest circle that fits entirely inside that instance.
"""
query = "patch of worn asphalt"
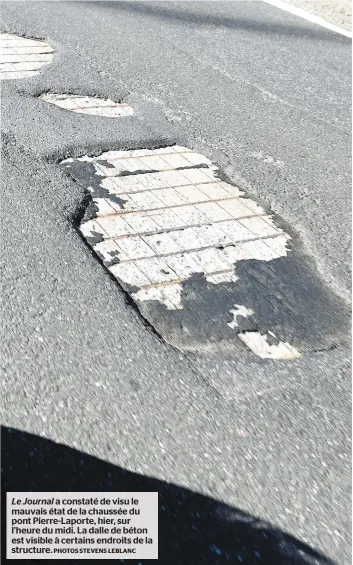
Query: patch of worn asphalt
(265, 93)
(81, 367)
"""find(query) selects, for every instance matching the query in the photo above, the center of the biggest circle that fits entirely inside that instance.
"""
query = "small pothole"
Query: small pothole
(21, 57)
(91, 105)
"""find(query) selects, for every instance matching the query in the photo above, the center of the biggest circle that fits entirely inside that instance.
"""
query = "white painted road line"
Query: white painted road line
(308, 16)
(90, 105)
(21, 57)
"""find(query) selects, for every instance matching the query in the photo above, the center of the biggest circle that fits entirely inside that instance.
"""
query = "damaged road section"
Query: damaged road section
(207, 266)
(91, 105)
(21, 57)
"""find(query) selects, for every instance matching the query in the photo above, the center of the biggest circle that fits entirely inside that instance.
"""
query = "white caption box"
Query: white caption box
(82, 525)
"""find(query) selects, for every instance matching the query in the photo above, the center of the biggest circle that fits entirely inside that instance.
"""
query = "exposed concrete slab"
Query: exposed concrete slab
(21, 57)
(206, 266)
(90, 105)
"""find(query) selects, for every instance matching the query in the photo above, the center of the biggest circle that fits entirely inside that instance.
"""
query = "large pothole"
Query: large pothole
(207, 266)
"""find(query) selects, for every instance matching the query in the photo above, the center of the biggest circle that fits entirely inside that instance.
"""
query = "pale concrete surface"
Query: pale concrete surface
(21, 57)
(93, 106)
(165, 214)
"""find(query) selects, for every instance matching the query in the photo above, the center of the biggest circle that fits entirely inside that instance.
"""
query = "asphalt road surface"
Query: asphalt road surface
(267, 96)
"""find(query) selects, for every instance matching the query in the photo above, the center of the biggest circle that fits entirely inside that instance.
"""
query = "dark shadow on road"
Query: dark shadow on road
(167, 12)
(193, 529)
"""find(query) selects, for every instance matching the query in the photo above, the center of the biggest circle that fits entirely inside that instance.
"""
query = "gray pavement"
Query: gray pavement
(266, 95)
